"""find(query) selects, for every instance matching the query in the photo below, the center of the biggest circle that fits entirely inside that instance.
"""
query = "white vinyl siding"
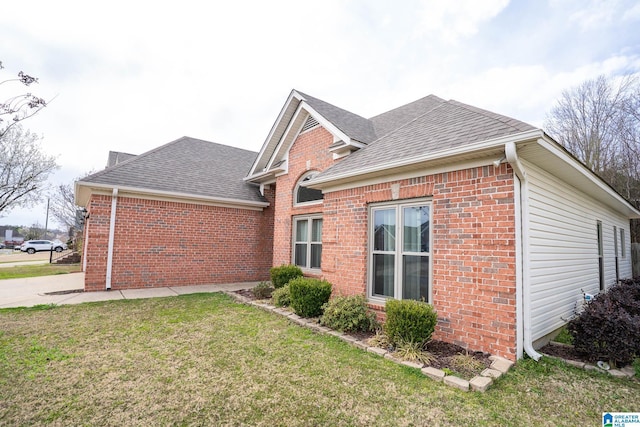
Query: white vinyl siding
(563, 248)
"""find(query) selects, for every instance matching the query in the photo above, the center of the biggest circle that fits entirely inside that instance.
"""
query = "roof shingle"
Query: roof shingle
(353, 125)
(442, 125)
(186, 166)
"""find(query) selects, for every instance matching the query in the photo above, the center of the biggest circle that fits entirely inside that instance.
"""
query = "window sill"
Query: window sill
(305, 204)
(313, 273)
(379, 301)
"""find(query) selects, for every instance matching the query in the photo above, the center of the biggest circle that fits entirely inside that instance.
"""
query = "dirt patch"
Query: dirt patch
(564, 352)
(247, 293)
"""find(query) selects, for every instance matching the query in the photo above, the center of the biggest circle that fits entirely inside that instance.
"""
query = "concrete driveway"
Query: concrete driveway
(68, 289)
(10, 258)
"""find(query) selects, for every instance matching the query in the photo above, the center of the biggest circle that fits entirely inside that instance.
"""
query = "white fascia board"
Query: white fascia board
(291, 134)
(422, 158)
(267, 141)
(561, 153)
(285, 136)
(266, 176)
(144, 193)
(258, 176)
(327, 124)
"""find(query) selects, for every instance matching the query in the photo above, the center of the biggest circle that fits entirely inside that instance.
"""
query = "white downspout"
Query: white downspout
(112, 232)
(523, 275)
(85, 244)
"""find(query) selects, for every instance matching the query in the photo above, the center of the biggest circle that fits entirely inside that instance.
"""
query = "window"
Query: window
(615, 247)
(623, 247)
(304, 195)
(600, 255)
(307, 242)
(399, 256)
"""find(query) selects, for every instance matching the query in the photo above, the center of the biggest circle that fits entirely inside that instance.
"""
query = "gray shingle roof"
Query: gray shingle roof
(442, 125)
(116, 157)
(186, 166)
(393, 119)
(353, 125)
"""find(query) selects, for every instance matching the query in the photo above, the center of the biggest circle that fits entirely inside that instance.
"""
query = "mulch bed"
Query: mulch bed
(565, 352)
(443, 352)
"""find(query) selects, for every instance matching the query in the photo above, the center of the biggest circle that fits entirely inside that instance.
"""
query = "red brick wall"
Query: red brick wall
(473, 255)
(311, 147)
(160, 243)
(473, 251)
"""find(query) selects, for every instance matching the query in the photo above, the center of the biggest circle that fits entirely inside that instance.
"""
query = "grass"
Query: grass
(22, 271)
(203, 359)
(564, 337)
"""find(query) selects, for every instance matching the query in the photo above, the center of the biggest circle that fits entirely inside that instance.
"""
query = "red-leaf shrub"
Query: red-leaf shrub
(609, 327)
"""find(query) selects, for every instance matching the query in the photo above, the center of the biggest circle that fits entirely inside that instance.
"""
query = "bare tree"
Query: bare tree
(599, 123)
(18, 107)
(24, 168)
(63, 207)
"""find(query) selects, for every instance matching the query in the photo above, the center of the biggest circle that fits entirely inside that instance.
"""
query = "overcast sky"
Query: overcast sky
(132, 75)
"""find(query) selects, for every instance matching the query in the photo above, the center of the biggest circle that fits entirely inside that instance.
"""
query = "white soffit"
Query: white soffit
(548, 155)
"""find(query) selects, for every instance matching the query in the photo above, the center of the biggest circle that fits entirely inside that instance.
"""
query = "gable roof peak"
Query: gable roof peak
(353, 125)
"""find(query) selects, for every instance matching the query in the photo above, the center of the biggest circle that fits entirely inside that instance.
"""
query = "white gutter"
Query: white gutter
(428, 156)
(112, 232)
(523, 311)
(84, 187)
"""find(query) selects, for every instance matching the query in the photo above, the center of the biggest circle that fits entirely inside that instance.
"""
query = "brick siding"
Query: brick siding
(309, 153)
(473, 254)
(162, 243)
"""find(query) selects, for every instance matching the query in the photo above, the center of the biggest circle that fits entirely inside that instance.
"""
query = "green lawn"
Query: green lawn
(204, 359)
(21, 271)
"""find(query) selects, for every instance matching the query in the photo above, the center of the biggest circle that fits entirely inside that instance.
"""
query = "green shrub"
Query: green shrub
(282, 275)
(262, 290)
(280, 297)
(348, 313)
(308, 296)
(409, 321)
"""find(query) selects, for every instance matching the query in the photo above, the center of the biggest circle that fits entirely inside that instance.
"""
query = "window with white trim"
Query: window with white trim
(304, 195)
(307, 242)
(400, 250)
(623, 245)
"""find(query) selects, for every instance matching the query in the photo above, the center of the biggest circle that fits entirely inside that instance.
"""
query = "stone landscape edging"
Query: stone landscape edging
(481, 383)
(625, 372)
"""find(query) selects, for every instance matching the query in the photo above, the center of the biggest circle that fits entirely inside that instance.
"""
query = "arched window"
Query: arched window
(305, 194)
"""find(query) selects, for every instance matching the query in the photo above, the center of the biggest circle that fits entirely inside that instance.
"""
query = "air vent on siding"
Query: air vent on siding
(310, 123)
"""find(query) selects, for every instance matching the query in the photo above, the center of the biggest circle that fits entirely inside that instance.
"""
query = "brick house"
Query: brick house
(482, 215)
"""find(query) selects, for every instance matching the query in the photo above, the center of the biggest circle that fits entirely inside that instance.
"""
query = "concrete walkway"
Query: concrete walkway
(67, 289)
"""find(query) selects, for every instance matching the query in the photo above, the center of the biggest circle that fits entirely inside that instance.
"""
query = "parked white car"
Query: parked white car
(33, 246)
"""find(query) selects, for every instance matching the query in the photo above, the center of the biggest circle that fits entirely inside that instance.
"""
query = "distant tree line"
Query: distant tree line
(599, 123)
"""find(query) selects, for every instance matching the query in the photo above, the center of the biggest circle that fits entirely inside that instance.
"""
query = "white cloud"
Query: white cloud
(452, 20)
(632, 14)
(131, 75)
(595, 14)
